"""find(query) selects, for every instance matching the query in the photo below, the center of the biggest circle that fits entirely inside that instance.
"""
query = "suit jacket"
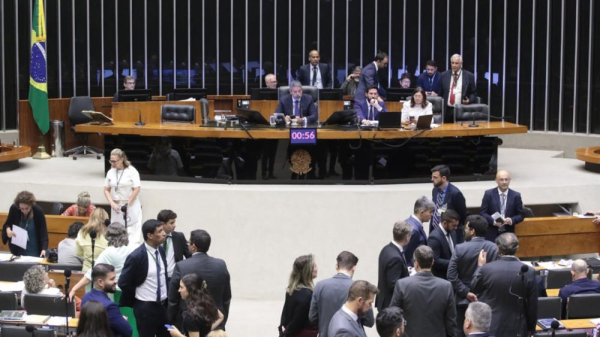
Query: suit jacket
(180, 246)
(430, 84)
(368, 77)
(491, 204)
(580, 286)
(328, 297)
(307, 107)
(134, 274)
(441, 251)
(455, 200)
(118, 324)
(463, 265)
(392, 267)
(469, 88)
(496, 284)
(39, 219)
(342, 325)
(305, 75)
(213, 271)
(362, 108)
(417, 238)
(428, 305)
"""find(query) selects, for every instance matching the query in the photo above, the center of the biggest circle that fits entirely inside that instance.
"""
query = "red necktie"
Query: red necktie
(452, 89)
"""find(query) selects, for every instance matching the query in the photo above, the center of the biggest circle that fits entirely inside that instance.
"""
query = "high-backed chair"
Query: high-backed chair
(8, 300)
(171, 113)
(438, 108)
(306, 89)
(36, 304)
(21, 331)
(13, 271)
(558, 278)
(583, 306)
(76, 106)
(572, 333)
(549, 307)
(57, 208)
(471, 112)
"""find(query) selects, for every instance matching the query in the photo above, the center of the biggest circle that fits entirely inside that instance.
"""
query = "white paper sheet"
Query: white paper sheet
(21, 237)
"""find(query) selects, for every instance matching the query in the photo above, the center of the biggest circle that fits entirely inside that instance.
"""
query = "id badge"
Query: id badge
(442, 209)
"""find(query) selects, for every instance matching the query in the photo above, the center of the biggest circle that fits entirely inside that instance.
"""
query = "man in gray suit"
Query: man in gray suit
(330, 294)
(464, 262)
(427, 301)
(345, 322)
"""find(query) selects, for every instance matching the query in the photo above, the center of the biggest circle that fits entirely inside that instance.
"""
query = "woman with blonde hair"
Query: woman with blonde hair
(83, 207)
(294, 316)
(121, 189)
(95, 226)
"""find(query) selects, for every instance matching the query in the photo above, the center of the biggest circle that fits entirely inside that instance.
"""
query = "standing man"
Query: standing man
(458, 87)
(501, 207)
(446, 196)
(212, 270)
(104, 280)
(330, 294)
(427, 301)
(430, 80)
(369, 76)
(509, 287)
(478, 319)
(175, 245)
(392, 264)
(443, 242)
(464, 262)
(297, 106)
(271, 81)
(143, 282)
(345, 322)
(315, 74)
(368, 109)
(422, 213)
(581, 284)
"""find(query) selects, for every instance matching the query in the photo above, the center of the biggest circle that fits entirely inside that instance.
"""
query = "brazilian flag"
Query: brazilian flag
(38, 86)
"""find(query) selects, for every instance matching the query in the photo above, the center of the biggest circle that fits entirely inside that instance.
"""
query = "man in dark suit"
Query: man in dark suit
(392, 264)
(478, 320)
(315, 74)
(427, 301)
(446, 196)
(369, 108)
(464, 262)
(360, 300)
(212, 270)
(458, 87)
(143, 282)
(422, 213)
(369, 76)
(430, 80)
(390, 322)
(501, 207)
(330, 294)
(508, 288)
(581, 284)
(442, 241)
(175, 245)
(104, 280)
(297, 105)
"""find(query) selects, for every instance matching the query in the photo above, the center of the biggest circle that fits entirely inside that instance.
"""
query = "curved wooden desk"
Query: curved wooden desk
(591, 157)
(10, 155)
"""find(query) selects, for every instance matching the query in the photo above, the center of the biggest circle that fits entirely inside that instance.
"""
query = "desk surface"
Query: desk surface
(195, 131)
(583, 323)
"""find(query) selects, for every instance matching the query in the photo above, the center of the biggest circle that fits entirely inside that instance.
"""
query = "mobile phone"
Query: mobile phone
(168, 326)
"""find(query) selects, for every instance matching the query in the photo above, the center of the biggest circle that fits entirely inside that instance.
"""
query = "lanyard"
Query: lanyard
(167, 245)
(119, 178)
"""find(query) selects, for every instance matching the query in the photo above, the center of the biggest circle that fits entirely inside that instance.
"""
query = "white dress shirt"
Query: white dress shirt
(170, 255)
(319, 81)
(147, 290)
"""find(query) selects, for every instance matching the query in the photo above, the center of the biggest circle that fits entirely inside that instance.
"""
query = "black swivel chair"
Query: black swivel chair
(549, 307)
(471, 112)
(8, 300)
(21, 331)
(572, 333)
(583, 306)
(306, 89)
(171, 113)
(558, 278)
(437, 108)
(48, 305)
(57, 208)
(76, 106)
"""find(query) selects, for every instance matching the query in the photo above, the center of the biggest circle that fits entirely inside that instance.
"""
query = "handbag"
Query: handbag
(52, 255)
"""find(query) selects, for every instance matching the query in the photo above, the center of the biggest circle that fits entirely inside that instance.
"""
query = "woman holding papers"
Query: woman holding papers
(25, 227)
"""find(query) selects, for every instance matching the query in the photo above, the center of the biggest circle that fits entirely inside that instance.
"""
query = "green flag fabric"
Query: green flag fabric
(38, 86)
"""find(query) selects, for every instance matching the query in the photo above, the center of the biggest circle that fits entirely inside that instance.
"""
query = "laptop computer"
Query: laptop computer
(424, 122)
(389, 120)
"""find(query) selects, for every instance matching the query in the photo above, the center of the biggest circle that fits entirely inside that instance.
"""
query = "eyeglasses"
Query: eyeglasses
(114, 161)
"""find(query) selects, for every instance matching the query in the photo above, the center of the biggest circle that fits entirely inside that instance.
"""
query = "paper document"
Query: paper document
(21, 237)
(33, 259)
(57, 321)
(595, 321)
(549, 265)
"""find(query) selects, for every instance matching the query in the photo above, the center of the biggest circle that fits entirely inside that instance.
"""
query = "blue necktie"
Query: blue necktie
(157, 276)
(438, 202)
(297, 108)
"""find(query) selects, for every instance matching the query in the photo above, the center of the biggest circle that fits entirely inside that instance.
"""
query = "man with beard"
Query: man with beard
(345, 322)
(105, 281)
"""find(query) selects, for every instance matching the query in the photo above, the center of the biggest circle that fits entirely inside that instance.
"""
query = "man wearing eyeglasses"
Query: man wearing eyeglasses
(502, 207)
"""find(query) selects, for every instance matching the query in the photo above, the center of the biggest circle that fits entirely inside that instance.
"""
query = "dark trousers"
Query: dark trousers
(449, 115)
(151, 318)
(460, 319)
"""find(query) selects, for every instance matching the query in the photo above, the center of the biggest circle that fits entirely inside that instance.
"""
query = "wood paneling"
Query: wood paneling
(10, 153)
(127, 112)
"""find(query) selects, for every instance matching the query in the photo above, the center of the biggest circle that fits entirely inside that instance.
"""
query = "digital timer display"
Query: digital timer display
(303, 136)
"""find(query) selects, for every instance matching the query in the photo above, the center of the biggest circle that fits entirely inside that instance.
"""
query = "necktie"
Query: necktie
(297, 108)
(371, 116)
(502, 203)
(452, 89)
(436, 217)
(157, 275)
(450, 242)
(360, 325)
(166, 244)
(314, 79)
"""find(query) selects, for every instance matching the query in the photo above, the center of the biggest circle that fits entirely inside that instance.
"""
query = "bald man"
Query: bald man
(581, 284)
(502, 207)
(315, 74)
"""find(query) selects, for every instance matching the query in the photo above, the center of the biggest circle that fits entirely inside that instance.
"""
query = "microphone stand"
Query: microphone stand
(67, 282)
(124, 210)
(139, 123)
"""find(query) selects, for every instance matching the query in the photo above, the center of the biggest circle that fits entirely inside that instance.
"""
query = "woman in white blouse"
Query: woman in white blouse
(416, 106)
(121, 188)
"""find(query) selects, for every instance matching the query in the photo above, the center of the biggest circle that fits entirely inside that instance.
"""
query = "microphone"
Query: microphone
(124, 208)
(524, 269)
(554, 326)
(30, 329)
(67, 280)
(139, 123)
(93, 235)
(107, 222)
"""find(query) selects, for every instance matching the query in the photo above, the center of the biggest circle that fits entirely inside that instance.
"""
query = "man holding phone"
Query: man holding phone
(502, 207)
(430, 80)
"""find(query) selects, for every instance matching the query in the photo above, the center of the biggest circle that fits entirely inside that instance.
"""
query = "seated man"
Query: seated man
(581, 284)
(67, 250)
(405, 81)
(128, 84)
(297, 106)
(368, 109)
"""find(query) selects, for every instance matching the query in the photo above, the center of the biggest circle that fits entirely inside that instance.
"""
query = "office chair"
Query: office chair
(76, 106)
(549, 307)
(171, 113)
(438, 108)
(583, 306)
(471, 112)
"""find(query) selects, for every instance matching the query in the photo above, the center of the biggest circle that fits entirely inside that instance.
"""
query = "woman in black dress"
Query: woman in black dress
(30, 217)
(294, 316)
(202, 315)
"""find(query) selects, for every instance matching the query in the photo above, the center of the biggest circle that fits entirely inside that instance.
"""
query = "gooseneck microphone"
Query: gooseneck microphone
(93, 235)
(124, 210)
(107, 222)
(67, 301)
(139, 123)
(554, 326)
(30, 329)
